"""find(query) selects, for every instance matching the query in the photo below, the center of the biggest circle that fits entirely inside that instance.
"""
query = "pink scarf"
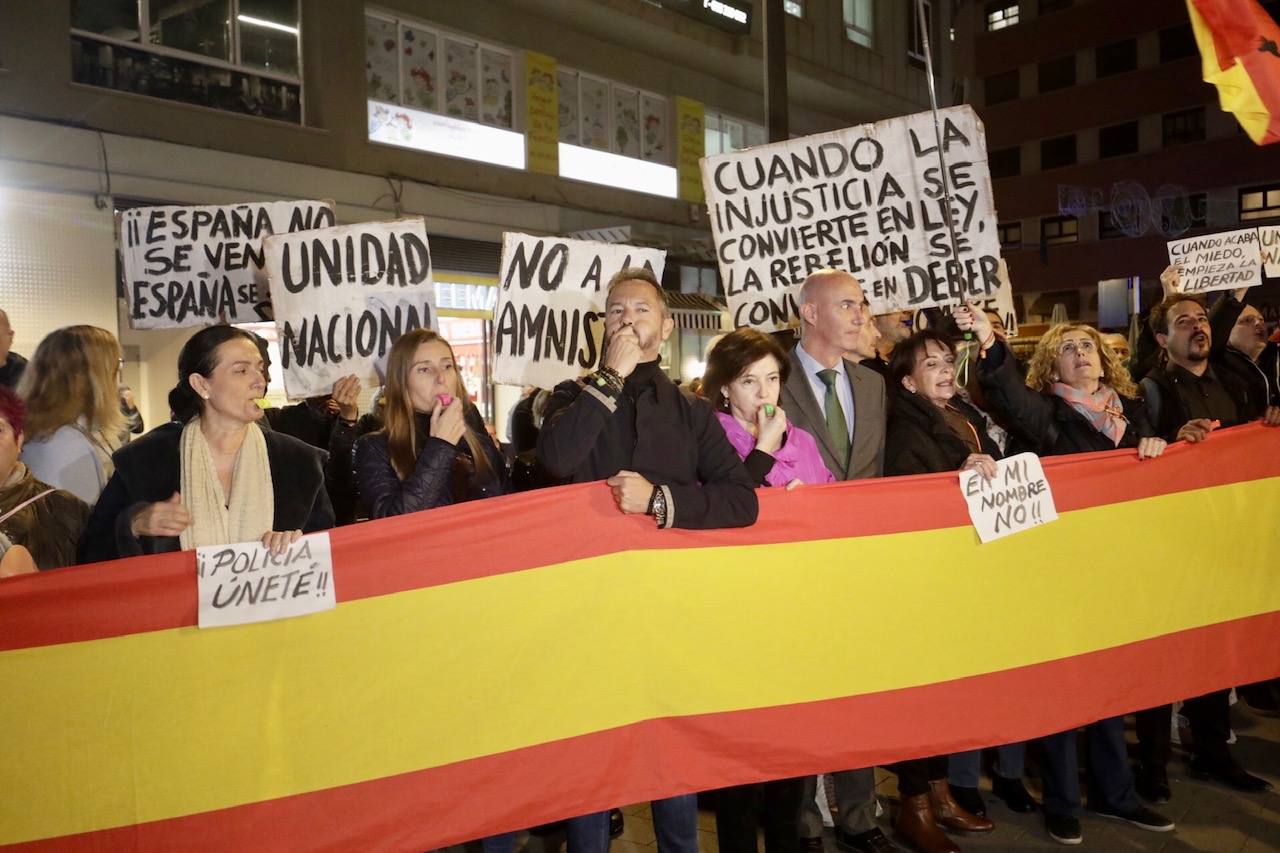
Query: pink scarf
(1102, 408)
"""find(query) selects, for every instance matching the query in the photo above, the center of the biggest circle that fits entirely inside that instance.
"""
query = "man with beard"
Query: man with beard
(664, 455)
(1188, 398)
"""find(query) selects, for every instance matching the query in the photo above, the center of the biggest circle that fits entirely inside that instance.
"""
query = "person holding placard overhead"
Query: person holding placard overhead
(73, 409)
(211, 476)
(1077, 397)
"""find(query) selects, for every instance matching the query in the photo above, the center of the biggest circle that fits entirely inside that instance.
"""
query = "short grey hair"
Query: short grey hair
(638, 274)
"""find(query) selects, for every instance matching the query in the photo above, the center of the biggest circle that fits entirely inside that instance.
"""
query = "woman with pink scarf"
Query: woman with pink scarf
(745, 373)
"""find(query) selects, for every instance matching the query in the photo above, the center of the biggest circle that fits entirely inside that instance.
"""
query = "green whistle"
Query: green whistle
(768, 410)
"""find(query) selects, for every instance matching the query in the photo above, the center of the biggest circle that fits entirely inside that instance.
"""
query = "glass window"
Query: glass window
(1182, 127)
(381, 59)
(461, 97)
(653, 128)
(1001, 14)
(1180, 213)
(1057, 73)
(1118, 140)
(568, 95)
(594, 109)
(1116, 58)
(1055, 230)
(1058, 152)
(495, 87)
(1177, 43)
(915, 44)
(196, 26)
(724, 133)
(794, 8)
(268, 32)
(1260, 202)
(626, 121)
(1010, 234)
(999, 88)
(711, 131)
(117, 19)
(1108, 229)
(1005, 162)
(859, 26)
(419, 81)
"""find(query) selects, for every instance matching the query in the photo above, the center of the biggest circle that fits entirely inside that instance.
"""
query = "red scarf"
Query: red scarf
(1102, 408)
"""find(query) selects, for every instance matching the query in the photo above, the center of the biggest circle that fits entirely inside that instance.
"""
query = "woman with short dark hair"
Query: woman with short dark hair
(211, 476)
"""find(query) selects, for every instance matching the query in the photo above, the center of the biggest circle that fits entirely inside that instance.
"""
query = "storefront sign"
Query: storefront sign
(691, 143)
(542, 113)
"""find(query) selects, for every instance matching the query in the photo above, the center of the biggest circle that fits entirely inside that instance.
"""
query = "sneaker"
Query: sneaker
(1063, 828)
(1140, 816)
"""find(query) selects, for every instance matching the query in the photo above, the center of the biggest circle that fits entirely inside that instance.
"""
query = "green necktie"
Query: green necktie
(836, 424)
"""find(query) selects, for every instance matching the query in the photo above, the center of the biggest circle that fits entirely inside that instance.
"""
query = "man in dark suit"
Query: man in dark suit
(842, 405)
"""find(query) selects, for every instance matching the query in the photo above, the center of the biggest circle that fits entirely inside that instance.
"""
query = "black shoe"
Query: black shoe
(1228, 773)
(970, 799)
(1063, 828)
(616, 823)
(1152, 785)
(1014, 794)
(871, 841)
(1140, 816)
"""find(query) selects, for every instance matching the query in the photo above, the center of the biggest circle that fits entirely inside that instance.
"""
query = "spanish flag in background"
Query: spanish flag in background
(1240, 44)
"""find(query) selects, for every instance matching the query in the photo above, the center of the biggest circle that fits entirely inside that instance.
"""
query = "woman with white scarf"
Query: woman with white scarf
(212, 476)
(1078, 397)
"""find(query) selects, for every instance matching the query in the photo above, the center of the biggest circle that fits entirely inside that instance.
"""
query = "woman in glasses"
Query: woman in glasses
(1078, 397)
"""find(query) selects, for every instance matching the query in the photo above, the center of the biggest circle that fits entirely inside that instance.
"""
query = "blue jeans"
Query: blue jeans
(675, 823)
(966, 767)
(1110, 777)
(504, 843)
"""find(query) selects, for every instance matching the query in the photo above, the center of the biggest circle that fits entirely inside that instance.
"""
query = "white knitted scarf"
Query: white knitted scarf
(249, 513)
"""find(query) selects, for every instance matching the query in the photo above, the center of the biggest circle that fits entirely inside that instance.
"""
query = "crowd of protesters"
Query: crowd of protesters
(857, 397)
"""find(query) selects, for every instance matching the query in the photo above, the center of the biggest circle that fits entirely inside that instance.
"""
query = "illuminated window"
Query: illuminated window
(794, 8)
(1055, 230)
(1001, 14)
(1010, 235)
(859, 24)
(1260, 202)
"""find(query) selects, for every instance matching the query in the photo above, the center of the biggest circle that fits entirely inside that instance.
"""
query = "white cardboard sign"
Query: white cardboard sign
(194, 266)
(1223, 261)
(866, 199)
(549, 319)
(243, 583)
(1017, 499)
(1269, 243)
(343, 295)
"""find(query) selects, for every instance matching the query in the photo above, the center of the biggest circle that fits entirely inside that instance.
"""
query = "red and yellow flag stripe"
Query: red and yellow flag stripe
(501, 664)
(1240, 46)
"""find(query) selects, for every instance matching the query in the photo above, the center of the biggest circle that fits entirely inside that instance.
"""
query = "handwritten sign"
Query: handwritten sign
(343, 295)
(1269, 243)
(1017, 499)
(1222, 261)
(866, 199)
(244, 583)
(194, 266)
(550, 314)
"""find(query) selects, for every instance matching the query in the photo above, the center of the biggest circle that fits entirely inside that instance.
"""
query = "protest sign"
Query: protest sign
(1269, 243)
(550, 314)
(866, 199)
(343, 295)
(194, 266)
(1017, 499)
(1222, 261)
(243, 583)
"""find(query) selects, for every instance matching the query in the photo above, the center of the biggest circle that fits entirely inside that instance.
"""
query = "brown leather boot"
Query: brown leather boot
(915, 825)
(947, 812)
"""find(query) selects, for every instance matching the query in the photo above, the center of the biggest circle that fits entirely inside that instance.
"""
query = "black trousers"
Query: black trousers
(915, 775)
(771, 806)
(1210, 719)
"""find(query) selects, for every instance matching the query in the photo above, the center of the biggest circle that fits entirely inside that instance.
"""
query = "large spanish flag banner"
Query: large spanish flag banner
(1240, 46)
(502, 664)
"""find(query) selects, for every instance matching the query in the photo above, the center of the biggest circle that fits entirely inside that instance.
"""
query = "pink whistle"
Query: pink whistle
(445, 399)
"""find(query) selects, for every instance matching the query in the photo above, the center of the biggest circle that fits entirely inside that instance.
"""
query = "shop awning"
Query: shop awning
(696, 311)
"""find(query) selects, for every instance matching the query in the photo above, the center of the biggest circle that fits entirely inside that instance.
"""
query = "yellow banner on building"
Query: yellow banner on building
(542, 113)
(690, 147)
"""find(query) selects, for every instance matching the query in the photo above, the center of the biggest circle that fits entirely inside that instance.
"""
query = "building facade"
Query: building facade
(1104, 144)
(540, 116)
